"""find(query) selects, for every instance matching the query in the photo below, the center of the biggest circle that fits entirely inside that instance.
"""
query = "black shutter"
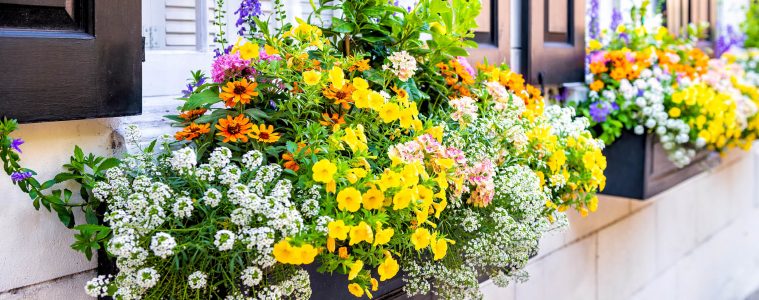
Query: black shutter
(70, 59)
(556, 41)
(493, 35)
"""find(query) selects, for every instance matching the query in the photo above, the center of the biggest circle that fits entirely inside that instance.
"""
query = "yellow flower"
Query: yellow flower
(557, 160)
(338, 230)
(410, 175)
(439, 248)
(375, 284)
(356, 290)
(674, 112)
(388, 268)
(360, 83)
(349, 199)
(594, 45)
(403, 198)
(331, 244)
(621, 28)
(420, 238)
(355, 174)
(373, 199)
(285, 253)
(249, 51)
(361, 233)
(389, 179)
(312, 77)
(361, 98)
(593, 205)
(324, 171)
(342, 253)
(270, 50)
(307, 254)
(389, 112)
(439, 207)
(336, 77)
(437, 27)
(355, 139)
(383, 235)
(376, 101)
(356, 267)
(436, 132)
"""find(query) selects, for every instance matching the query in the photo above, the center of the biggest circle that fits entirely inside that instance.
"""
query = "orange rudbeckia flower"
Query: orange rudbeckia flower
(234, 129)
(238, 92)
(335, 119)
(192, 114)
(192, 131)
(342, 96)
(264, 134)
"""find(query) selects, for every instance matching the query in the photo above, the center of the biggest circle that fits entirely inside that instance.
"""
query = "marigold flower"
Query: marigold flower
(324, 171)
(420, 238)
(234, 129)
(356, 290)
(349, 199)
(356, 267)
(192, 131)
(361, 65)
(238, 92)
(265, 134)
(312, 77)
(388, 268)
(335, 119)
(597, 85)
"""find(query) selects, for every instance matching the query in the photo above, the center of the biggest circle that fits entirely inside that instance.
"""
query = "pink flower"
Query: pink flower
(462, 60)
(229, 66)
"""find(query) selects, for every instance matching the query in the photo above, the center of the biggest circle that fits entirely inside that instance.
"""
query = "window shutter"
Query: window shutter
(556, 41)
(680, 13)
(180, 23)
(69, 59)
(493, 33)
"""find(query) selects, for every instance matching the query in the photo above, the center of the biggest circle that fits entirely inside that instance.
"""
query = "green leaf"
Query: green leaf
(78, 154)
(341, 26)
(203, 98)
(108, 163)
(90, 216)
(257, 114)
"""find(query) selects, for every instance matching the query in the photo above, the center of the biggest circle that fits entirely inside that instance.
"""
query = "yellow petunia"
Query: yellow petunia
(436, 132)
(285, 253)
(324, 171)
(389, 179)
(376, 100)
(388, 268)
(338, 230)
(383, 236)
(349, 199)
(336, 77)
(307, 254)
(439, 248)
(249, 51)
(389, 112)
(420, 238)
(403, 198)
(360, 84)
(373, 199)
(354, 174)
(312, 77)
(356, 267)
(361, 98)
(356, 290)
(361, 233)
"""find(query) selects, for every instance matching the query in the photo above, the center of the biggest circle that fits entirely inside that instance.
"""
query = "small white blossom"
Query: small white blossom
(252, 160)
(183, 160)
(98, 286)
(224, 240)
(212, 197)
(162, 244)
(147, 278)
(183, 207)
(197, 280)
(251, 276)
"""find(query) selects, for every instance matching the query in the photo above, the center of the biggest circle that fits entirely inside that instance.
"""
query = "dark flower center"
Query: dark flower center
(240, 90)
(233, 129)
(263, 135)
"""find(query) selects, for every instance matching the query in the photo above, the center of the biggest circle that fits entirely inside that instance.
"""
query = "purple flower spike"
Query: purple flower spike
(20, 176)
(616, 19)
(16, 143)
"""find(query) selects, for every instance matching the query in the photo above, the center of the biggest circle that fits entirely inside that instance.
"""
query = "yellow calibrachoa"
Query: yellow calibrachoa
(388, 268)
(439, 248)
(338, 230)
(356, 290)
(349, 199)
(389, 112)
(373, 199)
(285, 253)
(312, 77)
(361, 233)
(324, 171)
(403, 198)
(356, 268)
(383, 235)
(420, 238)
(337, 77)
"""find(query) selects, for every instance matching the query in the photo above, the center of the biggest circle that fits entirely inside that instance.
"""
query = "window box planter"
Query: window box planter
(638, 167)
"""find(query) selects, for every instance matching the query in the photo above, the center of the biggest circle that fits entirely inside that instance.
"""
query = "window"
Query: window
(680, 13)
(492, 35)
(555, 41)
(69, 59)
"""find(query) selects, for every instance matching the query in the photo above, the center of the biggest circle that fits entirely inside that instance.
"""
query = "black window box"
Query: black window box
(638, 167)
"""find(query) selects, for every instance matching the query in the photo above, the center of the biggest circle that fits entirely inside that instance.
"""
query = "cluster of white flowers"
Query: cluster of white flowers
(144, 212)
(98, 286)
(402, 64)
(197, 280)
(464, 110)
(449, 283)
(162, 244)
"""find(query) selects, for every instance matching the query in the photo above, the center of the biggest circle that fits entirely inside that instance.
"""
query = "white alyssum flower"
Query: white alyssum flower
(147, 278)
(252, 159)
(220, 157)
(183, 160)
(251, 276)
(183, 207)
(132, 135)
(212, 197)
(98, 286)
(162, 244)
(230, 175)
(224, 240)
(197, 280)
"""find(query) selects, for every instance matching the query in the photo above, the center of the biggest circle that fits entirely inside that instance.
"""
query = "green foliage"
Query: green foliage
(751, 25)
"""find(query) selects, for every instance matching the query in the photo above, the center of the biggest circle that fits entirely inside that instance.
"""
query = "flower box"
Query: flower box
(638, 167)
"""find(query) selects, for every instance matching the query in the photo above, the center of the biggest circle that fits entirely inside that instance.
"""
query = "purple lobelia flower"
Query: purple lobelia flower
(594, 28)
(16, 143)
(249, 9)
(600, 110)
(20, 176)
(728, 40)
(192, 86)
